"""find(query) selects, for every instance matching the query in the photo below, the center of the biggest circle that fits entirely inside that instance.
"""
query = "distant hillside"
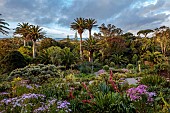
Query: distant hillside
(66, 38)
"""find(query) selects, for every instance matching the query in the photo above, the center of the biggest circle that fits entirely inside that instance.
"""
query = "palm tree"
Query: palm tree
(35, 33)
(90, 23)
(3, 27)
(23, 29)
(80, 26)
(91, 45)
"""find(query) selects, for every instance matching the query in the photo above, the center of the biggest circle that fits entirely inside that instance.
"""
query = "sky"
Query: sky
(55, 16)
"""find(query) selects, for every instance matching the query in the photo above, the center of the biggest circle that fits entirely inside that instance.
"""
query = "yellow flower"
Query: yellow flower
(17, 79)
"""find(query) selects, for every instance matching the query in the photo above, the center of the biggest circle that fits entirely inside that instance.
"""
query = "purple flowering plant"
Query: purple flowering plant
(137, 93)
(141, 97)
(35, 103)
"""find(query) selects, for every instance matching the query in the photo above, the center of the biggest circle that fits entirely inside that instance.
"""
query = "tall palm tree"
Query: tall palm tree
(23, 29)
(35, 33)
(90, 23)
(3, 27)
(91, 45)
(80, 26)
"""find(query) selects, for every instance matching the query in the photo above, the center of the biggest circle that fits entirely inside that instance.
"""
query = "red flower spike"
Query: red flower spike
(112, 82)
(88, 101)
(84, 85)
(71, 93)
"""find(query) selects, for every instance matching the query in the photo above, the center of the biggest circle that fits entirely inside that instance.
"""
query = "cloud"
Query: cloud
(100, 10)
(130, 15)
(35, 11)
(144, 17)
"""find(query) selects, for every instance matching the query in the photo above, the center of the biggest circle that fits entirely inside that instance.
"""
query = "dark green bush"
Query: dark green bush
(5, 86)
(12, 61)
(85, 67)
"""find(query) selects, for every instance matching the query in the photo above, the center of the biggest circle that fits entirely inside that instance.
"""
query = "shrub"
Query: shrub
(85, 67)
(12, 61)
(26, 51)
(4, 86)
(117, 76)
(134, 59)
(46, 43)
(153, 80)
(162, 69)
(112, 103)
(36, 73)
(70, 78)
(112, 64)
(130, 66)
(54, 89)
(106, 67)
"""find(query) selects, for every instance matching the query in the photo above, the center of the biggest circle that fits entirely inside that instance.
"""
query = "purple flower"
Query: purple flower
(63, 105)
(37, 86)
(151, 94)
(142, 87)
(51, 102)
(29, 87)
(40, 109)
(6, 101)
(136, 93)
(101, 71)
(4, 93)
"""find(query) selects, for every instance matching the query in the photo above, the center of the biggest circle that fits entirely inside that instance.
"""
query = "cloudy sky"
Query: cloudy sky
(55, 16)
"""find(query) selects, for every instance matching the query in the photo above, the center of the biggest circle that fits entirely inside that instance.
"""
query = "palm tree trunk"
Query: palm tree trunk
(90, 56)
(33, 49)
(81, 51)
(24, 43)
(89, 33)
(145, 35)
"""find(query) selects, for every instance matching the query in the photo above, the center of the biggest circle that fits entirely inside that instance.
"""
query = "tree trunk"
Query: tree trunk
(91, 56)
(89, 33)
(145, 35)
(33, 49)
(24, 43)
(81, 51)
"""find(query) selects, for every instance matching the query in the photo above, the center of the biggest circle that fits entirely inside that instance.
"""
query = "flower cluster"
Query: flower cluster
(112, 82)
(102, 71)
(137, 93)
(19, 101)
(45, 105)
(63, 105)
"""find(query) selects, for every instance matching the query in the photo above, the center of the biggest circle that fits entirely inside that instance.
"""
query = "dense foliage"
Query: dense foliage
(36, 73)
(12, 61)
